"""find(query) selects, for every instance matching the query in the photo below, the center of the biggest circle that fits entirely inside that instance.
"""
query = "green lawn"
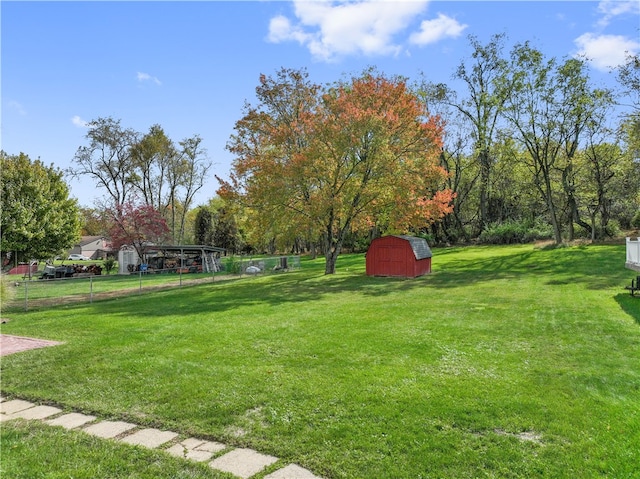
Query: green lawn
(506, 362)
(39, 293)
(33, 450)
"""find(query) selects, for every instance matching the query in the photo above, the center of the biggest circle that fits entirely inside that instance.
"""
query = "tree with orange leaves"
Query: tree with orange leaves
(326, 161)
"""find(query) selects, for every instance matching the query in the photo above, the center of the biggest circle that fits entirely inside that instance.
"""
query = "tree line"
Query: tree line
(147, 170)
(531, 142)
(527, 148)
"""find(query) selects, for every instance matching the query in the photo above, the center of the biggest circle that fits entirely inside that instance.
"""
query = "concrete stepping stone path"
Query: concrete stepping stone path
(150, 438)
(71, 420)
(196, 449)
(37, 412)
(241, 462)
(109, 429)
(292, 471)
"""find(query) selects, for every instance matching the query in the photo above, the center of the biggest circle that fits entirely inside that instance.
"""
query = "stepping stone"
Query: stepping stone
(150, 438)
(71, 420)
(37, 412)
(15, 405)
(108, 429)
(196, 449)
(292, 471)
(242, 462)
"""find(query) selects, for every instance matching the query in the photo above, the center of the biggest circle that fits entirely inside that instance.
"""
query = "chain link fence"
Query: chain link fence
(22, 294)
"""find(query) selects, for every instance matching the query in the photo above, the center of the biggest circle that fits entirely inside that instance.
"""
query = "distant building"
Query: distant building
(93, 247)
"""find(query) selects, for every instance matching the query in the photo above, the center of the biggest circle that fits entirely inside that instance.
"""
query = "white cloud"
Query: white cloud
(281, 30)
(432, 31)
(144, 77)
(16, 106)
(613, 8)
(79, 122)
(606, 51)
(334, 29)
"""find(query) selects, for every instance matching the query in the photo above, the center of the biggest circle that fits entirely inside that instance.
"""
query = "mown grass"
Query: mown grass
(82, 287)
(33, 450)
(505, 362)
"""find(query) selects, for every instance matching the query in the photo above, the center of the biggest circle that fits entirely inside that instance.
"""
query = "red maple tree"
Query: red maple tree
(137, 226)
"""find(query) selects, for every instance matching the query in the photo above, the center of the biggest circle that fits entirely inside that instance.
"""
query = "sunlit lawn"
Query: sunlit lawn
(33, 450)
(505, 362)
(82, 287)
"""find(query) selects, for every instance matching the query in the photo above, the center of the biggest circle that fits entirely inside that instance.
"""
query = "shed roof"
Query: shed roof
(85, 240)
(419, 246)
(187, 248)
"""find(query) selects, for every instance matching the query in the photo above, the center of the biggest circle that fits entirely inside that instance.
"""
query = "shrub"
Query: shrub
(232, 265)
(109, 264)
(512, 232)
(613, 229)
(430, 238)
(635, 221)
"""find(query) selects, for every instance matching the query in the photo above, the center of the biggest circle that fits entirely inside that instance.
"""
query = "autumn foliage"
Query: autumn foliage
(321, 162)
(137, 225)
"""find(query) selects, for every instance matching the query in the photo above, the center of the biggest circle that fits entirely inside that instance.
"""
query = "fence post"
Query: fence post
(140, 275)
(26, 295)
(90, 289)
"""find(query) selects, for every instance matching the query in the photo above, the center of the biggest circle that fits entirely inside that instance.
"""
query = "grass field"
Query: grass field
(506, 362)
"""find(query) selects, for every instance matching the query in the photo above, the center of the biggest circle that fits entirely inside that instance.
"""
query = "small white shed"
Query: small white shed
(633, 254)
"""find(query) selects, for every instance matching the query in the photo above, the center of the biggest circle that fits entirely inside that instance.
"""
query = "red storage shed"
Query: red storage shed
(401, 256)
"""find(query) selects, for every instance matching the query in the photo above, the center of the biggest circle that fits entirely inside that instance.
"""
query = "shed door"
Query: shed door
(392, 261)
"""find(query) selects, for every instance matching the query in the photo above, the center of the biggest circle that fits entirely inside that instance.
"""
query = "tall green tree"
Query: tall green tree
(107, 159)
(582, 111)
(151, 159)
(481, 107)
(93, 222)
(187, 173)
(629, 78)
(39, 220)
(147, 168)
(225, 230)
(203, 226)
(550, 110)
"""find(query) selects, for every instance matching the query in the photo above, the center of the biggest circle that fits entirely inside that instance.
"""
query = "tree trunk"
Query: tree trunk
(331, 252)
(333, 244)
(485, 172)
(330, 265)
(548, 193)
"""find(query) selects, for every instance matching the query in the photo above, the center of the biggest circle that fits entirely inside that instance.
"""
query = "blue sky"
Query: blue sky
(190, 66)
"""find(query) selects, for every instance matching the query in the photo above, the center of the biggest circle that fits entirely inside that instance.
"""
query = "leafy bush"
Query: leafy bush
(428, 237)
(232, 265)
(613, 229)
(109, 265)
(512, 232)
(635, 222)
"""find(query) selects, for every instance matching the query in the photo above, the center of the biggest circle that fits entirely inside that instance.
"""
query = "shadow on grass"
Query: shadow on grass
(630, 305)
(594, 267)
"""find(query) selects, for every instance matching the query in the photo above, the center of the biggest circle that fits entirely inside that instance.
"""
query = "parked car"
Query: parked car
(77, 257)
